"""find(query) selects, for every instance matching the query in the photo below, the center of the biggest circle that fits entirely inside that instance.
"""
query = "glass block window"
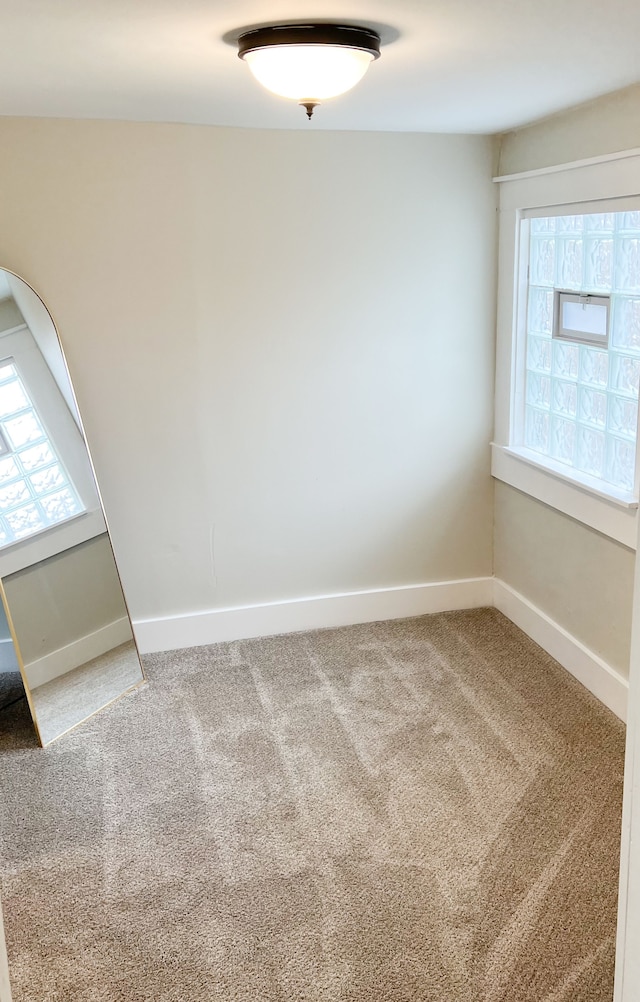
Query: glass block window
(581, 401)
(35, 490)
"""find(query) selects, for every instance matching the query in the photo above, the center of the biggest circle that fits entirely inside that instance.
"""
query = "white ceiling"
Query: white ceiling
(447, 65)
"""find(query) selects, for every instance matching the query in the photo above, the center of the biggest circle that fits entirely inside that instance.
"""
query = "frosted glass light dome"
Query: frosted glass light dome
(309, 63)
(308, 71)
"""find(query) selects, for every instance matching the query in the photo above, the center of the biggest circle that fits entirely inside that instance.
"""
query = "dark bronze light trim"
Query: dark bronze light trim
(309, 34)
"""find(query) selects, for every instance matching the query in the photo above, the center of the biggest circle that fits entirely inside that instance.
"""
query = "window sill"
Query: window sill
(612, 512)
(50, 542)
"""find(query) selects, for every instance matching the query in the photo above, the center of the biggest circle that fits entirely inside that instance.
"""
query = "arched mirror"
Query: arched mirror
(66, 642)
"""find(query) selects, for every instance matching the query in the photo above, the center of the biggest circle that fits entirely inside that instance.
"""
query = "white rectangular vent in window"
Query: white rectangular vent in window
(581, 317)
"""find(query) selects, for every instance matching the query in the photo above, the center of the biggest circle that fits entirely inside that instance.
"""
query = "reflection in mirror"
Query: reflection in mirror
(64, 601)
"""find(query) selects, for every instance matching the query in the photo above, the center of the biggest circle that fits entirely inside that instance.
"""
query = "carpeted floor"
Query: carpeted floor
(425, 809)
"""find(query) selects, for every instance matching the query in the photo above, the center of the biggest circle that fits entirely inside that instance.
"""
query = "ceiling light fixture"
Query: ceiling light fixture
(309, 62)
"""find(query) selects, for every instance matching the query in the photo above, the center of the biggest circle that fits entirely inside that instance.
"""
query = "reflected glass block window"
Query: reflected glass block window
(35, 490)
(581, 401)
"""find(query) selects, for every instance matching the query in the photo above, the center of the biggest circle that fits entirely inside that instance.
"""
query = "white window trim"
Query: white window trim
(611, 512)
(19, 344)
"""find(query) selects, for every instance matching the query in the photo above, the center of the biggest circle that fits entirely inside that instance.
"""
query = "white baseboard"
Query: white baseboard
(595, 674)
(78, 653)
(217, 625)
(212, 627)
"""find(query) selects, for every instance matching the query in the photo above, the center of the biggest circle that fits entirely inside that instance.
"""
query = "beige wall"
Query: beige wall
(578, 577)
(607, 125)
(281, 343)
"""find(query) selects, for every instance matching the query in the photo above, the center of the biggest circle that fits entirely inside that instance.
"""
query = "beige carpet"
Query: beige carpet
(418, 810)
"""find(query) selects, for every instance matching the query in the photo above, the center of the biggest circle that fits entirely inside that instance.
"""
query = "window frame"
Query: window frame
(610, 184)
(17, 343)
